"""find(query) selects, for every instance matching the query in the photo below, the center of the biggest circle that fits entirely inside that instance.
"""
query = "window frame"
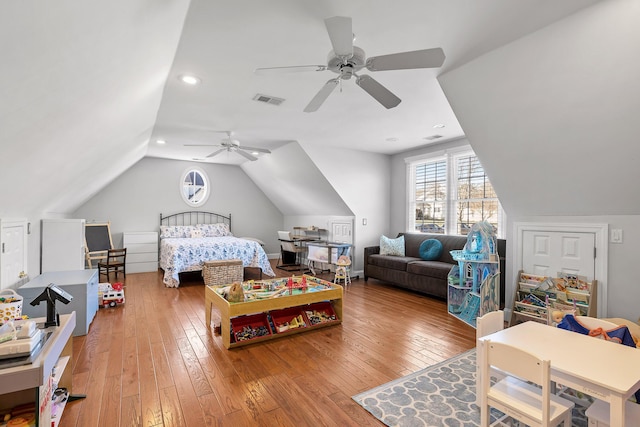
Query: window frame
(451, 157)
(206, 185)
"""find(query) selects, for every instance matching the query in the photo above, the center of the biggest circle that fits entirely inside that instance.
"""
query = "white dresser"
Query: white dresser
(142, 251)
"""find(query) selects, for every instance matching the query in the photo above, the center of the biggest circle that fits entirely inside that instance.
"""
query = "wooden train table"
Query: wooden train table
(267, 299)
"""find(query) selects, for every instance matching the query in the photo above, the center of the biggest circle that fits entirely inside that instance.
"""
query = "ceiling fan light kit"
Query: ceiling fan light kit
(347, 60)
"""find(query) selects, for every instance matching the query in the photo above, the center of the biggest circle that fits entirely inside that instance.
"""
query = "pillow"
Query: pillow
(196, 233)
(431, 249)
(179, 231)
(215, 230)
(390, 246)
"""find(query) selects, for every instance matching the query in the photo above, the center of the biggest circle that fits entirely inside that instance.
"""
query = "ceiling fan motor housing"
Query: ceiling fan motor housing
(352, 65)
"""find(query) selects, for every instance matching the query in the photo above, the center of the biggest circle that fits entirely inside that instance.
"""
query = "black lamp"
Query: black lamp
(50, 294)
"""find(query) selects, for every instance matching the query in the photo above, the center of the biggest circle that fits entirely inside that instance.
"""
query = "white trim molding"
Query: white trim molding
(601, 233)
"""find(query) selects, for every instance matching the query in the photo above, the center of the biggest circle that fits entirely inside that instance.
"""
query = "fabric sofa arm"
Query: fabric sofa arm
(371, 250)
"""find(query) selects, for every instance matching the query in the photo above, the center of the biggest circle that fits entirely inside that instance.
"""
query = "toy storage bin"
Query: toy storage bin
(320, 313)
(12, 309)
(254, 322)
(285, 316)
(222, 272)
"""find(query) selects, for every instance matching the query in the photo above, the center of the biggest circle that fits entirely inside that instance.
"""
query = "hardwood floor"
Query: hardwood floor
(154, 362)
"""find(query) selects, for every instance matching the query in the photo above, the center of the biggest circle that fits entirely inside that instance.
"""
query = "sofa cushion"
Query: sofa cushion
(390, 246)
(436, 269)
(431, 249)
(391, 262)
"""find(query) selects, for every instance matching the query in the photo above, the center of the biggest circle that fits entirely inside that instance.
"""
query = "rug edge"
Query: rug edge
(355, 397)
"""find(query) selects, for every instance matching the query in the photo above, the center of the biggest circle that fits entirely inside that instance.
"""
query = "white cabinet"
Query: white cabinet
(13, 252)
(142, 251)
(62, 245)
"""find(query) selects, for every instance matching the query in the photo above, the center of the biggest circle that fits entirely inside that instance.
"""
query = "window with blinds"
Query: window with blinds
(449, 193)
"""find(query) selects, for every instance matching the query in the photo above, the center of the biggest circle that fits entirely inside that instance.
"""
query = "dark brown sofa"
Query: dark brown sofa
(413, 273)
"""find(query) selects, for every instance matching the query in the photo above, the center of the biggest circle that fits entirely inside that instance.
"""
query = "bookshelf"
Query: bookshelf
(537, 297)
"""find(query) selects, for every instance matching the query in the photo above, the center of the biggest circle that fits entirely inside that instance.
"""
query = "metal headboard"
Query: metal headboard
(195, 217)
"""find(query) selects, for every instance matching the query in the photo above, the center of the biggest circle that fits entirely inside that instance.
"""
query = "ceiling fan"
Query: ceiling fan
(232, 145)
(347, 60)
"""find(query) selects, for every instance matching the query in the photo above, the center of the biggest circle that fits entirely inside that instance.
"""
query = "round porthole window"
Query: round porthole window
(194, 187)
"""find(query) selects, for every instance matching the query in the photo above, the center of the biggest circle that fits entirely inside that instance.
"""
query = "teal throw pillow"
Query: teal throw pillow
(392, 246)
(431, 249)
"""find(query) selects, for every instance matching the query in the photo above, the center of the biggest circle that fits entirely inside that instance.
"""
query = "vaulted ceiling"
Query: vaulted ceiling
(86, 88)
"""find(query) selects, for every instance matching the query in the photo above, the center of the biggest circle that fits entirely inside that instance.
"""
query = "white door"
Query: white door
(547, 253)
(341, 232)
(13, 256)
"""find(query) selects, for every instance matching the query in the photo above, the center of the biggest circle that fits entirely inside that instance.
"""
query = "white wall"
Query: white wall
(134, 201)
(362, 180)
(553, 116)
(623, 292)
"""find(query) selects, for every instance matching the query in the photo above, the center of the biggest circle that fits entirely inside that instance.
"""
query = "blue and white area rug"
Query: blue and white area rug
(440, 395)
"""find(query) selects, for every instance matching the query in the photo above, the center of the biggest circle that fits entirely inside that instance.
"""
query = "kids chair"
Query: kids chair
(342, 270)
(516, 394)
(485, 325)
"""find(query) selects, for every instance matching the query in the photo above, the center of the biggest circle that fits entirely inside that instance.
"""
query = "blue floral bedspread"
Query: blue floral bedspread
(180, 255)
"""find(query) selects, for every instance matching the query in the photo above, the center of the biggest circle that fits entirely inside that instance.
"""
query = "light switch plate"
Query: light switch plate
(616, 235)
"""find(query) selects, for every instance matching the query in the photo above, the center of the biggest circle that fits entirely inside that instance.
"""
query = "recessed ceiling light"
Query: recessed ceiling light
(161, 141)
(189, 79)
(255, 153)
(392, 140)
(438, 126)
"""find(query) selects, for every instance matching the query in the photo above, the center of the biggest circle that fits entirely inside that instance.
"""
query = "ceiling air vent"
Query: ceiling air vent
(268, 99)
(433, 137)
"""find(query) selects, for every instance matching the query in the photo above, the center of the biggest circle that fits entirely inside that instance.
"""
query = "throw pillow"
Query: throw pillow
(431, 249)
(390, 246)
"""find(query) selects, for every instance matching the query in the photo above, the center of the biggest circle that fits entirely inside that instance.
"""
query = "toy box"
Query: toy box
(320, 313)
(288, 319)
(250, 327)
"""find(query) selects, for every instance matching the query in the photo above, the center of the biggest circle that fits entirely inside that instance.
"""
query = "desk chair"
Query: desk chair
(115, 261)
(516, 395)
(291, 255)
(486, 325)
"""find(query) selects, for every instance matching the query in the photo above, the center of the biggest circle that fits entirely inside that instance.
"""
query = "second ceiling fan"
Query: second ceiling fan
(347, 60)
(232, 145)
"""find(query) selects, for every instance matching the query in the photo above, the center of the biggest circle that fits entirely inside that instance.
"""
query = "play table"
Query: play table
(317, 291)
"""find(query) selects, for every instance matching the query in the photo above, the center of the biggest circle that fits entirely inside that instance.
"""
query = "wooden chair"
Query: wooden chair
(115, 261)
(517, 395)
(485, 325)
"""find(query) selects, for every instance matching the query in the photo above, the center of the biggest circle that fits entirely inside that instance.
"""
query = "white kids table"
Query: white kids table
(605, 370)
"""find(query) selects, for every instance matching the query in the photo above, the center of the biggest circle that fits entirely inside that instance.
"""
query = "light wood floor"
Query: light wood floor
(154, 362)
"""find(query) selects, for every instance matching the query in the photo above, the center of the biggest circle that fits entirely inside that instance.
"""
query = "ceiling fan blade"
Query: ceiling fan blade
(259, 150)
(426, 58)
(215, 153)
(202, 145)
(321, 96)
(379, 92)
(246, 155)
(341, 35)
(292, 69)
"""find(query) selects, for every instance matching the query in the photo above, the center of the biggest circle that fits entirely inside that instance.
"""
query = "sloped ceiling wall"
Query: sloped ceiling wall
(293, 183)
(86, 82)
(554, 116)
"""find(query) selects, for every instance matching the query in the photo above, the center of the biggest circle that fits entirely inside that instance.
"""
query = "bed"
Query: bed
(188, 239)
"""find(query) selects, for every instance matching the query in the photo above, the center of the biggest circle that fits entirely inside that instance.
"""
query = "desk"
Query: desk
(602, 369)
(326, 253)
